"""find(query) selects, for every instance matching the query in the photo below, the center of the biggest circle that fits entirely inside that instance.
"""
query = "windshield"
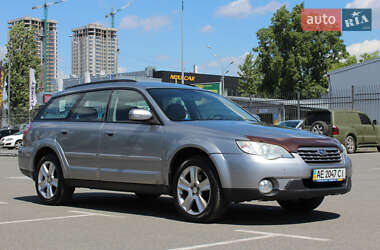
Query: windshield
(191, 105)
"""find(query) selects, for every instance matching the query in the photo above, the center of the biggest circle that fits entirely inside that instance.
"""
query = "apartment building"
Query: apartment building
(94, 50)
(52, 51)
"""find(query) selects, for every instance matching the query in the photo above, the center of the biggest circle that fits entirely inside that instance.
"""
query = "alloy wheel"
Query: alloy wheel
(350, 144)
(317, 129)
(48, 180)
(193, 190)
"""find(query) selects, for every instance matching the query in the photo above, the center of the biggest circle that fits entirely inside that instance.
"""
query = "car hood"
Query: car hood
(289, 138)
(14, 137)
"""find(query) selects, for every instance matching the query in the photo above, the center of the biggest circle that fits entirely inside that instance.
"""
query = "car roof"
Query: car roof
(123, 84)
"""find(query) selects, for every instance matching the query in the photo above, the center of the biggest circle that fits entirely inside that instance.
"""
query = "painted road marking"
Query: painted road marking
(3, 203)
(80, 214)
(223, 243)
(283, 235)
(18, 178)
(265, 235)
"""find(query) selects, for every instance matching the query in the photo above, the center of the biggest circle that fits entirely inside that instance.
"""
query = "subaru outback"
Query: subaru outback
(192, 144)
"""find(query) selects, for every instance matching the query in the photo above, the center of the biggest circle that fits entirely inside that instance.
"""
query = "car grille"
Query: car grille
(320, 155)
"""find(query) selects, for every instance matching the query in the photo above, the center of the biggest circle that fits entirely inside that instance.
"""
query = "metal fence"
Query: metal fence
(292, 106)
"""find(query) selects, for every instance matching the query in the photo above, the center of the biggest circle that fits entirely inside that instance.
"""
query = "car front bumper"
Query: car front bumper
(240, 175)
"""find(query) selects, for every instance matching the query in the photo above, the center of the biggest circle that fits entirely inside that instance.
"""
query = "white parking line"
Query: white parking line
(81, 214)
(18, 178)
(265, 235)
(223, 243)
(3, 203)
(283, 235)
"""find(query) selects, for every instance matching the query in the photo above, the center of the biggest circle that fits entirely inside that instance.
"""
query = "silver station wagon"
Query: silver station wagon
(192, 144)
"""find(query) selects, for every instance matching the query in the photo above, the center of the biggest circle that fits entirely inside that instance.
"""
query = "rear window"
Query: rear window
(59, 108)
(314, 116)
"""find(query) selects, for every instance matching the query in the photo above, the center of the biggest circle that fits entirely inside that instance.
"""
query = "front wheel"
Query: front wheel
(350, 144)
(49, 182)
(197, 191)
(18, 144)
(301, 205)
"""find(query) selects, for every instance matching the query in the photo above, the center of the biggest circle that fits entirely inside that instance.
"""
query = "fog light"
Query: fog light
(265, 186)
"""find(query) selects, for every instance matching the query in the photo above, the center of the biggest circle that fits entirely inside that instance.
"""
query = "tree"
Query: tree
(291, 59)
(351, 60)
(250, 77)
(23, 55)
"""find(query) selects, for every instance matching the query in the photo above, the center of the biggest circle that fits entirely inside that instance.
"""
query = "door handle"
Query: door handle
(109, 133)
(64, 132)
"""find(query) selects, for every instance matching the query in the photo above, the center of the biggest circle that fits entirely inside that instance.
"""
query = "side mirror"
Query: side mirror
(140, 115)
(374, 122)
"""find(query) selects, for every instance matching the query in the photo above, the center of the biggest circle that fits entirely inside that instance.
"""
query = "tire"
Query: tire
(319, 128)
(197, 191)
(147, 197)
(18, 144)
(378, 148)
(301, 205)
(350, 144)
(49, 182)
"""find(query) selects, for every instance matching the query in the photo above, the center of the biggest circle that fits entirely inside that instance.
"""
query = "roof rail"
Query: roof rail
(98, 82)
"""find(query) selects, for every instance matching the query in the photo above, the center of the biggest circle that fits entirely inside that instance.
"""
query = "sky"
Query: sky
(217, 32)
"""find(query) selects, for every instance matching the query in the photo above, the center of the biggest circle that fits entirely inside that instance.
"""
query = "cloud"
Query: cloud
(270, 7)
(154, 23)
(121, 69)
(225, 63)
(162, 58)
(207, 28)
(374, 4)
(243, 8)
(238, 8)
(358, 49)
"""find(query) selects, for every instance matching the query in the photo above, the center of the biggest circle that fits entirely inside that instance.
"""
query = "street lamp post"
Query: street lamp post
(223, 71)
(182, 45)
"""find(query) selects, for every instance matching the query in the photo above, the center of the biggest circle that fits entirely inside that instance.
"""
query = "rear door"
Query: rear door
(367, 129)
(130, 151)
(79, 136)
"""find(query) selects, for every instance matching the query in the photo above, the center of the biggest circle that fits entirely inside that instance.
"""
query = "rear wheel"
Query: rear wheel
(350, 144)
(197, 191)
(320, 128)
(301, 205)
(378, 148)
(49, 182)
(18, 144)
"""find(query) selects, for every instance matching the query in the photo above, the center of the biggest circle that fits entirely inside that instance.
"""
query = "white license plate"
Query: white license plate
(329, 174)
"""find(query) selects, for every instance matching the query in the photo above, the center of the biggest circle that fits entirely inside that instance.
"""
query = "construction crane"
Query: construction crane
(114, 12)
(46, 35)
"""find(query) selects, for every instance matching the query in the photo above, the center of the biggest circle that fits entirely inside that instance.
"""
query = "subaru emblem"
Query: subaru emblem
(322, 151)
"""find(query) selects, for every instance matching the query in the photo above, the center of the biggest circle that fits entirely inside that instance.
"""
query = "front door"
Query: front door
(367, 129)
(130, 151)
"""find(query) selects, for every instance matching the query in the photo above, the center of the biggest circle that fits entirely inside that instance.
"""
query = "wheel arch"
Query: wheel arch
(183, 154)
(42, 152)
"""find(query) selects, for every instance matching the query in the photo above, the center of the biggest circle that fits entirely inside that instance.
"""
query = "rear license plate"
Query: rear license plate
(329, 174)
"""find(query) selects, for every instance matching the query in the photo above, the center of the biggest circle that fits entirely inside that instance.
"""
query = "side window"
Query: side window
(122, 102)
(364, 119)
(92, 107)
(59, 108)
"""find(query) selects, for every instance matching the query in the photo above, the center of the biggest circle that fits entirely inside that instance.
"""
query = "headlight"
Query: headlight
(266, 150)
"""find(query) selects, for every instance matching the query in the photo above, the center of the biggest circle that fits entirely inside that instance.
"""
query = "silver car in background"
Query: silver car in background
(158, 138)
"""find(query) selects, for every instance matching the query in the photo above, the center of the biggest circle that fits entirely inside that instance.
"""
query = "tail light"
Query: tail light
(335, 130)
(27, 129)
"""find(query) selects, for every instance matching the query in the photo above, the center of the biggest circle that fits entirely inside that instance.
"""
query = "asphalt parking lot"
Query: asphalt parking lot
(112, 220)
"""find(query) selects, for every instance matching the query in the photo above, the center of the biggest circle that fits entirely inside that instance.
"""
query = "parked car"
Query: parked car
(12, 141)
(291, 124)
(352, 128)
(7, 131)
(155, 138)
